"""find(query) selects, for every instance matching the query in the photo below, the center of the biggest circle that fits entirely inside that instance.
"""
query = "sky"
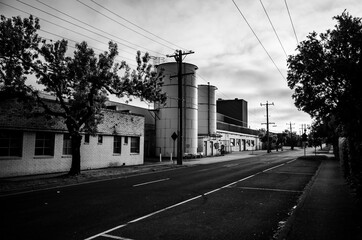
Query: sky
(234, 44)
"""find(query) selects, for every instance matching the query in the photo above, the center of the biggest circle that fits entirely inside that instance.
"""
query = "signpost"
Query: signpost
(174, 137)
(304, 140)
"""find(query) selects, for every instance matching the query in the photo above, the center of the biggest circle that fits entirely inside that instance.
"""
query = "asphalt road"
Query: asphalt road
(248, 198)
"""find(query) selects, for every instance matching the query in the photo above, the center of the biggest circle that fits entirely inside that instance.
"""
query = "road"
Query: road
(240, 199)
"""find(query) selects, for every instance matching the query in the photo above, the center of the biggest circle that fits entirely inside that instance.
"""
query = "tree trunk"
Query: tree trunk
(76, 143)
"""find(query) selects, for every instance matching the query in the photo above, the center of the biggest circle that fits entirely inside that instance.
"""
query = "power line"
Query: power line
(124, 25)
(55, 24)
(276, 34)
(258, 39)
(71, 40)
(291, 21)
(86, 25)
(137, 25)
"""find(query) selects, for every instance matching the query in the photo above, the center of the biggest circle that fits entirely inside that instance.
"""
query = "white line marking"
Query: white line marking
(177, 204)
(84, 183)
(169, 207)
(270, 189)
(292, 173)
(291, 161)
(266, 170)
(115, 237)
(146, 183)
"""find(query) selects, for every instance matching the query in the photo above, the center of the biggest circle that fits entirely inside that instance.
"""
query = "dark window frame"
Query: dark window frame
(117, 144)
(44, 144)
(86, 138)
(135, 145)
(11, 143)
(100, 139)
(67, 144)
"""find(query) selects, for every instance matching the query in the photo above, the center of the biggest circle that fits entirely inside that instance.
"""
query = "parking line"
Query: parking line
(115, 237)
(270, 189)
(146, 183)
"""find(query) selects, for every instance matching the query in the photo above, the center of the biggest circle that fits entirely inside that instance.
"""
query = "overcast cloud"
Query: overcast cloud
(227, 53)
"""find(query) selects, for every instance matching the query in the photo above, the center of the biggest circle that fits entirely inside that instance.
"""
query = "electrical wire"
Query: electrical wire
(55, 24)
(258, 40)
(291, 21)
(116, 14)
(87, 29)
(124, 25)
(276, 34)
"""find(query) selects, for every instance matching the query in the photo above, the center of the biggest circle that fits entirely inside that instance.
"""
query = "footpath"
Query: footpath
(327, 209)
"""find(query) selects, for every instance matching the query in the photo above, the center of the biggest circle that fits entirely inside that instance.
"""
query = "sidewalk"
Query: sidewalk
(327, 209)
(14, 185)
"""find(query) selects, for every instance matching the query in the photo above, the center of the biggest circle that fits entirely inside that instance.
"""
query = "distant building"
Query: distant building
(235, 111)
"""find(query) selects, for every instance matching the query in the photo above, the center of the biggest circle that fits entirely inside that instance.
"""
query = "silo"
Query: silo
(168, 116)
(207, 110)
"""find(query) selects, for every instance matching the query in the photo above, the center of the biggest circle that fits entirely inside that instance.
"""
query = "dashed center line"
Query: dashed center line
(146, 183)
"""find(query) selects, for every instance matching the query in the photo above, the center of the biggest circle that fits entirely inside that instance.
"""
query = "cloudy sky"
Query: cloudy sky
(227, 52)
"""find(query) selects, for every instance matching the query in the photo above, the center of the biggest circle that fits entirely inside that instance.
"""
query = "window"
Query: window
(67, 145)
(86, 138)
(44, 144)
(117, 144)
(11, 143)
(126, 140)
(232, 142)
(100, 139)
(135, 145)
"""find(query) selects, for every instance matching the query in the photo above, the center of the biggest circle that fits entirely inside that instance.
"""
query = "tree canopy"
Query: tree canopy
(325, 75)
(80, 81)
(326, 72)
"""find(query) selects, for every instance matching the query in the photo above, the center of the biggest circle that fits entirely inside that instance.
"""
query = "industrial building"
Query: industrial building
(208, 124)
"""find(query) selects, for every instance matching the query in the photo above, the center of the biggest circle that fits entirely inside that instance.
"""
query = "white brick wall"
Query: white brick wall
(93, 155)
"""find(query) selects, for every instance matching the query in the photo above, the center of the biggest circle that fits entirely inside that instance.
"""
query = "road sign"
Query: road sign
(174, 136)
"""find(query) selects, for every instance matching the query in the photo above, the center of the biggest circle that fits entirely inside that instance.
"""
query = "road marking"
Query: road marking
(146, 183)
(266, 170)
(176, 205)
(115, 237)
(270, 189)
(291, 161)
(169, 207)
(293, 173)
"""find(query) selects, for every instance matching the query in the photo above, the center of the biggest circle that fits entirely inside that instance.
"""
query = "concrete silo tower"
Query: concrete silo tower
(167, 121)
(207, 110)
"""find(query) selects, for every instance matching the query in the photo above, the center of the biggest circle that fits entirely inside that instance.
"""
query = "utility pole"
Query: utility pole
(267, 123)
(178, 58)
(291, 135)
